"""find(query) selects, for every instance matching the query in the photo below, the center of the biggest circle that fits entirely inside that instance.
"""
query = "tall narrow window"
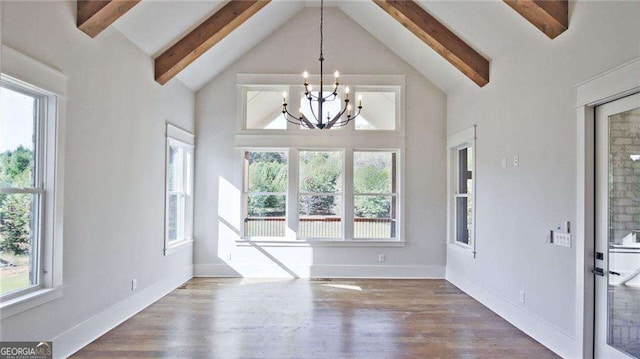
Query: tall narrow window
(265, 193)
(179, 187)
(320, 194)
(464, 198)
(22, 187)
(375, 194)
(461, 188)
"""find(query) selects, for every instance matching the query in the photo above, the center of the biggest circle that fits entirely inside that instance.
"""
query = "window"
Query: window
(375, 194)
(461, 161)
(464, 195)
(264, 109)
(320, 194)
(265, 193)
(31, 183)
(179, 188)
(337, 187)
(22, 188)
(379, 112)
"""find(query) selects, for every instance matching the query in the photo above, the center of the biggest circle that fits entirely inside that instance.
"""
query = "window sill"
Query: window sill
(318, 243)
(178, 246)
(462, 249)
(29, 301)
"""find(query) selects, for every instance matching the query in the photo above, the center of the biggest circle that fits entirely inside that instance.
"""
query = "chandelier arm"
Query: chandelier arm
(315, 117)
(349, 119)
(306, 122)
(302, 120)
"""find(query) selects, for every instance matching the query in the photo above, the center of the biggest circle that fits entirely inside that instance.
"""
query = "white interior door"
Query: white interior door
(617, 273)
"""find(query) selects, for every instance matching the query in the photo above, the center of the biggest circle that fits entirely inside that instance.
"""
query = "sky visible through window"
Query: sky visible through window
(16, 120)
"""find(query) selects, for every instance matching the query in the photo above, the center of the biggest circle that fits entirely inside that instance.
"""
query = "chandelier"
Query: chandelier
(320, 99)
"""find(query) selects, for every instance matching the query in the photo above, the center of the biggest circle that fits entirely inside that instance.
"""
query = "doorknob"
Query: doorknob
(598, 271)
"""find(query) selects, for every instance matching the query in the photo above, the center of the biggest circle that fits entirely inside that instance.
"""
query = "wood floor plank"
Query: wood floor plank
(279, 319)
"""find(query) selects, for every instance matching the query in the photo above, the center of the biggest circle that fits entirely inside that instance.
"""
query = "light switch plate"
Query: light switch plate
(562, 239)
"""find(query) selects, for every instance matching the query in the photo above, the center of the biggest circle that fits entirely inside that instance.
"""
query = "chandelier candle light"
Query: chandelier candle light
(319, 99)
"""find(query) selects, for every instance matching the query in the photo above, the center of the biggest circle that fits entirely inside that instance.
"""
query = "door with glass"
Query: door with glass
(617, 252)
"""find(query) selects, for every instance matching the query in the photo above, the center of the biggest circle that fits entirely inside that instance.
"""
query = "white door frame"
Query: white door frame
(608, 86)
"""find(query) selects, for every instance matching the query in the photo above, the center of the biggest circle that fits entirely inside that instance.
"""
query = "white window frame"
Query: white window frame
(22, 72)
(344, 217)
(460, 140)
(246, 193)
(292, 84)
(395, 194)
(345, 139)
(177, 137)
(397, 90)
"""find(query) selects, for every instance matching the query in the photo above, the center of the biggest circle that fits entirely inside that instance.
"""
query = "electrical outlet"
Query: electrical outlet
(134, 284)
(381, 258)
(521, 296)
(516, 160)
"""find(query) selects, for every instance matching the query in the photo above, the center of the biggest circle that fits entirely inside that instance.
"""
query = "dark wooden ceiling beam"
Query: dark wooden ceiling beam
(550, 16)
(96, 15)
(204, 37)
(439, 38)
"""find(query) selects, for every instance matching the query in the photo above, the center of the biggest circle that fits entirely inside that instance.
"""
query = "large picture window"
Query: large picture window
(265, 193)
(320, 194)
(179, 188)
(375, 194)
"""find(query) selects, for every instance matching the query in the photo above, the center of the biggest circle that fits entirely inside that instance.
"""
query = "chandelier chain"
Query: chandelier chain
(321, 23)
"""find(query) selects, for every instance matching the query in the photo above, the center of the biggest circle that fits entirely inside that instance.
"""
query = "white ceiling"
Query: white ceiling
(488, 26)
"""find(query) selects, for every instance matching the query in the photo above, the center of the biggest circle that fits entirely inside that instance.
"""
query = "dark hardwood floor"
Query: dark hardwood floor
(254, 318)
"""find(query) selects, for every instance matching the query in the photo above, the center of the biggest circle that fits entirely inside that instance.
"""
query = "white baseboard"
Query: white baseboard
(84, 333)
(553, 338)
(315, 271)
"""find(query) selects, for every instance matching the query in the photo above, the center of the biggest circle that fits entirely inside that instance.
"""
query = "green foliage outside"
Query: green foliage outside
(267, 173)
(372, 175)
(15, 209)
(320, 172)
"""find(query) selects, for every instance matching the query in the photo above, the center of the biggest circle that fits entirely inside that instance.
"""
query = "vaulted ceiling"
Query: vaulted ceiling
(447, 41)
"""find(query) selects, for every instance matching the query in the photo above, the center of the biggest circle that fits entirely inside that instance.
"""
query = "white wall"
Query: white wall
(114, 177)
(528, 110)
(289, 50)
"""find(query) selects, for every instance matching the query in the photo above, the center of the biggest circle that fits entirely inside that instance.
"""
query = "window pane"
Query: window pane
(18, 125)
(464, 170)
(175, 169)
(374, 217)
(264, 110)
(266, 216)
(378, 111)
(470, 170)
(320, 216)
(175, 217)
(373, 172)
(320, 172)
(267, 171)
(464, 211)
(329, 109)
(267, 205)
(18, 241)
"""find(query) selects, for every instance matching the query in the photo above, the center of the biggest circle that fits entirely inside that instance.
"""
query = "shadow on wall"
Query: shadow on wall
(251, 259)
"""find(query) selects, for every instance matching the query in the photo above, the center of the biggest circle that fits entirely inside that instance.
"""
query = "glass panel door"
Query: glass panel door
(618, 233)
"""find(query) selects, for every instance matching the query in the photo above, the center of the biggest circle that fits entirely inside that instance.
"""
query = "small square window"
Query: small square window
(264, 110)
(378, 111)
